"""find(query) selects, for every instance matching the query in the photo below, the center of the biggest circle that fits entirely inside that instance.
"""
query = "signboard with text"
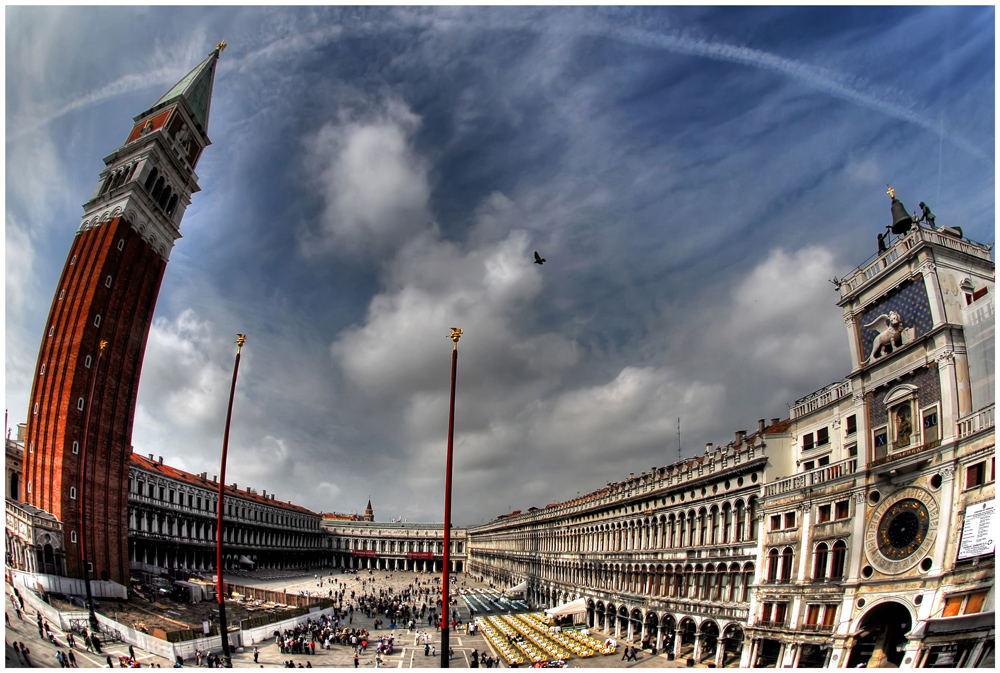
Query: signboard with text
(420, 555)
(977, 530)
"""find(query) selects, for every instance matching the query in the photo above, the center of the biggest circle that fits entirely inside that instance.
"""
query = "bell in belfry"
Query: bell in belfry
(901, 220)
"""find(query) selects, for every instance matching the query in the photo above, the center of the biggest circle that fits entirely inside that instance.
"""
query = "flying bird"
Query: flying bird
(538, 258)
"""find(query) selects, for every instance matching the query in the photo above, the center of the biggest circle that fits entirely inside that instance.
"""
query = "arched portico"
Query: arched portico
(880, 637)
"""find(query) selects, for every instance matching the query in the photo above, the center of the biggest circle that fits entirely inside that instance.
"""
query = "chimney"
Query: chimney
(265, 494)
(151, 458)
(708, 447)
(761, 424)
(234, 486)
(775, 421)
(214, 478)
(740, 436)
(161, 459)
(631, 475)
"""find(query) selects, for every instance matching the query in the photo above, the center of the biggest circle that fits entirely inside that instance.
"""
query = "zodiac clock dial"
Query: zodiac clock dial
(903, 529)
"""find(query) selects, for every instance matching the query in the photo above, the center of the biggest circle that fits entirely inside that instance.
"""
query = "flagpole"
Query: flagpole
(455, 335)
(227, 661)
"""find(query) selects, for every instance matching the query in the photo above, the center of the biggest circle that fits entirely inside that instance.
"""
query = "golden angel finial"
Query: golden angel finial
(104, 344)
(455, 335)
(240, 340)
(221, 46)
(891, 192)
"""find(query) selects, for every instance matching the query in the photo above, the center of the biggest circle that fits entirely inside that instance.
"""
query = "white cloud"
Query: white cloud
(184, 373)
(780, 320)
(374, 184)
(19, 258)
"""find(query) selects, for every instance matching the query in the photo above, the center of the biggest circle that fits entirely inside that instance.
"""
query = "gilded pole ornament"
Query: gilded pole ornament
(221, 46)
(240, 340)
(104, 344)
(455, 335)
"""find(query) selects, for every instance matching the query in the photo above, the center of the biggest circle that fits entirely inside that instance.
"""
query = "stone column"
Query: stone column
(946, 498)
(677, 642)
(720, 652)
(696, 652)
(749, 655)
(911, 655)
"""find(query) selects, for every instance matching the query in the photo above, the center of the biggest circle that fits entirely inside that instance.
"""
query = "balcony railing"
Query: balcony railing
(981, 420)
(821, 398)
(890, 257)
(813, 477)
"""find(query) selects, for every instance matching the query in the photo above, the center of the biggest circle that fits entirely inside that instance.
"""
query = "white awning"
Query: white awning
(519, 589)
(576, 607)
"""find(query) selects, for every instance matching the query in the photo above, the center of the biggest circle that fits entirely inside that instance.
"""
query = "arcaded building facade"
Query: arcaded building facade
(173, 515)
(396, 545)
(668, 556)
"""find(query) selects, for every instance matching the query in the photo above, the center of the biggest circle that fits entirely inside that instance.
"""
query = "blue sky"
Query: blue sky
(694, 176)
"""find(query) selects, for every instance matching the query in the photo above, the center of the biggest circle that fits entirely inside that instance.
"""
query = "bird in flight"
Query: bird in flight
(539, 259)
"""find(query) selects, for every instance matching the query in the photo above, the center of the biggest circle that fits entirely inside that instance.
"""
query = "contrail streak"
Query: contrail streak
(813, 76)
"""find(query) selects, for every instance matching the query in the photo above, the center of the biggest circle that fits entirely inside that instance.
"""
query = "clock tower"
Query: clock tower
(83, 396)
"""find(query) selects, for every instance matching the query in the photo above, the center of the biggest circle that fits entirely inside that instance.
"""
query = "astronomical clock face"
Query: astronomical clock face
(901, 531)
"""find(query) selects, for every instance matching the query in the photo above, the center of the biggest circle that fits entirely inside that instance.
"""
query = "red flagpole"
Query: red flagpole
(227, 661)
(456, 334)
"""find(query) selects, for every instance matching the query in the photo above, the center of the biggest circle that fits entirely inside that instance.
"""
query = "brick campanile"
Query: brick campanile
(107, 292)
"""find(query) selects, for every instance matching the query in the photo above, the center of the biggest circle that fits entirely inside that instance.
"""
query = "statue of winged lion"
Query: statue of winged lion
(890, 334)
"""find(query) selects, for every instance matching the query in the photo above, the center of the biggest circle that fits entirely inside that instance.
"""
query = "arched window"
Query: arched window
(165, 197)
(837, 560)
(787, 557)
(748, 571)
(151, 180)
(157, 189)
(772, 565)
(171, 205)
(820, 557)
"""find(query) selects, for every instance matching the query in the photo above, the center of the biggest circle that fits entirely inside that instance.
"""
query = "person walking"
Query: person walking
(72, 659)
(256, 653)
(357, 660)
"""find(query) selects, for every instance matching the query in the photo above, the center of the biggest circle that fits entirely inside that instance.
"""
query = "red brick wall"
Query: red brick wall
(126, 310)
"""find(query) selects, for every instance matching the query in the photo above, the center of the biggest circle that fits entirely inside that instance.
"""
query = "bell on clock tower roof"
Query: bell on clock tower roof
(195, 89)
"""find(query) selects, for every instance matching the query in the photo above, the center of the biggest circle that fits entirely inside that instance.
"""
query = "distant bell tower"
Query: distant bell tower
(107, 292)
(369, 514)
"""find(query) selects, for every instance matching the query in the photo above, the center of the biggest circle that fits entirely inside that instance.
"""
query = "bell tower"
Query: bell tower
(106, 294)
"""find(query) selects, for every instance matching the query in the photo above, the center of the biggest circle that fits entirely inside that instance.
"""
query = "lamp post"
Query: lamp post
(227, 661)
(92, 617)
(455, 335)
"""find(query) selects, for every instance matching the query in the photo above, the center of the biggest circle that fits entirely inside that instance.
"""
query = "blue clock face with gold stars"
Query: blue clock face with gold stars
(903, 529)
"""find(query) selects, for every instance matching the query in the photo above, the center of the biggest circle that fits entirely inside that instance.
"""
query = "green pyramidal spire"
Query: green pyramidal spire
(195, 89)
